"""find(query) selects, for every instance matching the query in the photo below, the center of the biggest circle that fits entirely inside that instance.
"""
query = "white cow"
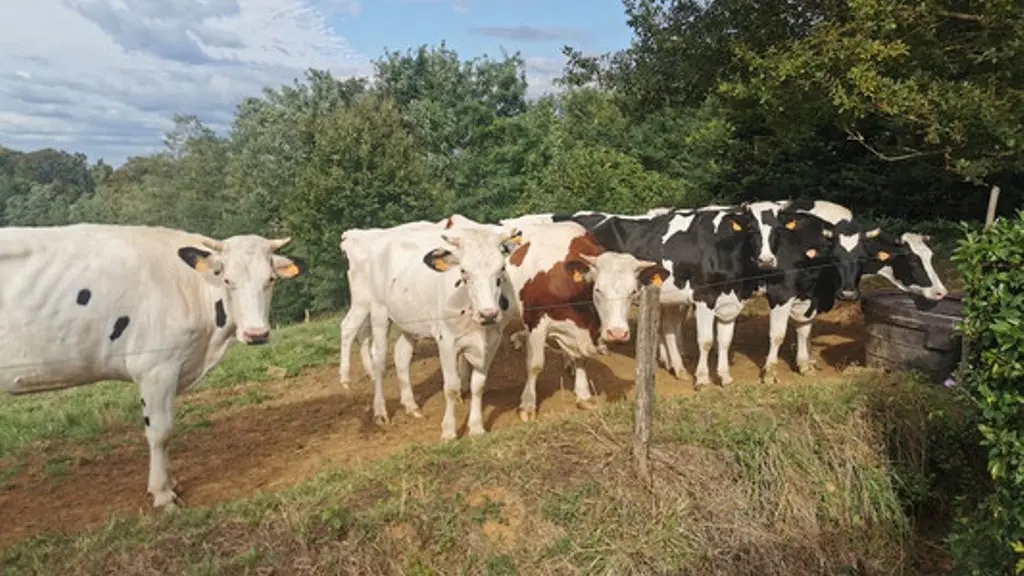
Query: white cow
(150, 305)
(450, 286)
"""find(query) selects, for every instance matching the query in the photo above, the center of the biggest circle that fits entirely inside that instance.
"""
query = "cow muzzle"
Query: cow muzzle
(766, 262)
(255, 336)
(849, 295)
(617, 335)
(488, 316)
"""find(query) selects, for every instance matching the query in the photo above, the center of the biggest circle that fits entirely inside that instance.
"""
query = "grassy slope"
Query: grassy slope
(780, 480)
(85, 412)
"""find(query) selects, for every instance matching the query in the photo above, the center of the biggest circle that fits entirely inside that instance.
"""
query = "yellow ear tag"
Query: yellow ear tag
(290, 271)
(883, 255)
(736, 226)
(812, 253)
(577, 276)
(791, 225)
(656, 280)
(202, 265)
(440, 264)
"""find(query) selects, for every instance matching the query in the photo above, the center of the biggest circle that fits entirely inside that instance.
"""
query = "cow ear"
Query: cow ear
(286, 267)
(198, 259)
(578, 270)
(514, 240)
(440, 259)
(653, 274)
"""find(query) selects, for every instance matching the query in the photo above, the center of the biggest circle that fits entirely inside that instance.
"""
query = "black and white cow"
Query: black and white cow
(715, 255)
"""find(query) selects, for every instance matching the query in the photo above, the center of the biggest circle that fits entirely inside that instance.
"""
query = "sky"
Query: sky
(104, 77)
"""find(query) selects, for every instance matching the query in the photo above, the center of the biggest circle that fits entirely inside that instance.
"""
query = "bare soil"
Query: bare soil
(309, 422)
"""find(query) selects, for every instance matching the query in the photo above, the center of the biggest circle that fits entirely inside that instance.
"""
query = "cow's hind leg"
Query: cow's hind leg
(671, 320)
(404, 348)
(353, 325)
(158, 391)
(379, 323)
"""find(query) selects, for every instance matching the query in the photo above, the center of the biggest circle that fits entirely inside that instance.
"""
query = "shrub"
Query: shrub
(992, 265)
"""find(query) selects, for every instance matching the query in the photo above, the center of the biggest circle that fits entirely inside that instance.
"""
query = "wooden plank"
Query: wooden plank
(646, 364)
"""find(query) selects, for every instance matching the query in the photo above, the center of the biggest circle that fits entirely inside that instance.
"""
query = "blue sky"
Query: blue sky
(104, 77)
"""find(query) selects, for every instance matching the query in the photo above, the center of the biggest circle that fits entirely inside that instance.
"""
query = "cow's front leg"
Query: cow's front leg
(465, 372)
(777, 324)
(452, 388)
(725, 332)
(705, 339)
(804, 363)
(534, 365)
(158, 392)
(584, 397)
(404, 348)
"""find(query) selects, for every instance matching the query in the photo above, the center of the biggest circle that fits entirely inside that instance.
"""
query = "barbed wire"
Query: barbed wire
(768, 274)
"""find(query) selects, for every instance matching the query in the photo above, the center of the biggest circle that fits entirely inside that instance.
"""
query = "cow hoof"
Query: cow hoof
(168, 501)
(527, 414)
(586, 404)
(726, 379)
(381, 419)
(477, 431)
(807, 368)
(414, 412)
(448, 436)
(702, 380)
(769, 377)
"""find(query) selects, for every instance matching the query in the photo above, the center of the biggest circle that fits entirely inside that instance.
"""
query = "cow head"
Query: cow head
(246, 269)
(763, 217)
(617, 278)
(478, 255)
(848, 249)
(906, 262)
(803, 240)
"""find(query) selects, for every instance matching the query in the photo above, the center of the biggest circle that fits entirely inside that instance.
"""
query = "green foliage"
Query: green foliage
(991, 262)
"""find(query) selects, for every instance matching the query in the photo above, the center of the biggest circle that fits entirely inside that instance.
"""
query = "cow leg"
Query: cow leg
(465, 374)
(351, 325)
(534, 364)
(477, 381)
(379, 324)
(452, 385)
(777, 324)
(584, 397)
(705, 338)
(671, 319)
(158, 392)
(365, 339)
(404, 348)
(804, 363)
(724, 338)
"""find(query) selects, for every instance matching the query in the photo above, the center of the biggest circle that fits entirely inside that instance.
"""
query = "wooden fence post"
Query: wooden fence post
(993, 199)
(646, 363)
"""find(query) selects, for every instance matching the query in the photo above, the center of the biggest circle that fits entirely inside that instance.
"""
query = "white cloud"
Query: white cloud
(541, 74)
(105, 76)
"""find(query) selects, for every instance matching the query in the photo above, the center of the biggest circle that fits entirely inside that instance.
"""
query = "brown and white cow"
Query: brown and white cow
(573, 291)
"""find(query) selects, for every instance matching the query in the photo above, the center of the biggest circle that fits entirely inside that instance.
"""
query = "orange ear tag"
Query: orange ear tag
(577, 276)
(656, 280)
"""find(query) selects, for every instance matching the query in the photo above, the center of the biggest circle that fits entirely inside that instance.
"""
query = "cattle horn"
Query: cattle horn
(215, 245)
(277, 244)
(873, 232)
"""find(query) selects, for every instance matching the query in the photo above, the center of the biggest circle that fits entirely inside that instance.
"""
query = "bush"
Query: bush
(992, 264)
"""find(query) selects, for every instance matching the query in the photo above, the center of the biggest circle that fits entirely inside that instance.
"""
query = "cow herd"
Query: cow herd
(159, 307)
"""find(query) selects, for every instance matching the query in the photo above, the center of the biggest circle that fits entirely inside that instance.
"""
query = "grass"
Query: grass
(83, 413)
(797, 479)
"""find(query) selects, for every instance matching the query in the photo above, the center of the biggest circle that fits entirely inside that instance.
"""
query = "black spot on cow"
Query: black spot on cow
(146, 420)
(119, 326)
(503, 302)
(221, 315)
(458, 282)
(83, 296)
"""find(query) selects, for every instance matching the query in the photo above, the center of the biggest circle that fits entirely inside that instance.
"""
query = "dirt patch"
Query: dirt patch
(307, 423)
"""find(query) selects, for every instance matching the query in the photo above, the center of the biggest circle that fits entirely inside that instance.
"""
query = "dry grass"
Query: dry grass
(752, 480)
